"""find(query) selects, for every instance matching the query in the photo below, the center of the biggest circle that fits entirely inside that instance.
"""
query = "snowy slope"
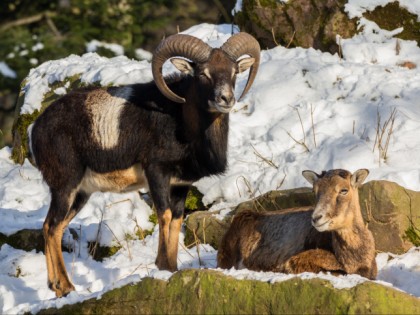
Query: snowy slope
(306, 110)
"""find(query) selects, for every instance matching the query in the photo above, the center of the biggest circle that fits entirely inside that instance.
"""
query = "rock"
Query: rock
(280, 199)
(392, 16)
(391, 212)
(211, 292)
(27, 240)
(316, 23)
(298, 23)
(205, 227)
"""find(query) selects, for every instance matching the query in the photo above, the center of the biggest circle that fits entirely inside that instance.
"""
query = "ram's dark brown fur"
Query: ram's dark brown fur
(160, 135)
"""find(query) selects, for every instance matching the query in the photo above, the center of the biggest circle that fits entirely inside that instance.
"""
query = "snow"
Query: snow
(93, 46)
(306, 110)
(356, 8)
(6, 71)
(142, 54)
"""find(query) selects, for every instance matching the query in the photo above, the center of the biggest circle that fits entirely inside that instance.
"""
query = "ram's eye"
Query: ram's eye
(344, 191)
(205, 74)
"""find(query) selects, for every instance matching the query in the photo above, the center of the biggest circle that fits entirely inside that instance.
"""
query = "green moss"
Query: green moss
(20, 136)
(153, 218)
(272, 4)
(211, 292)
(194, 200)
(98, 252)
(393, 16)
(412, 234)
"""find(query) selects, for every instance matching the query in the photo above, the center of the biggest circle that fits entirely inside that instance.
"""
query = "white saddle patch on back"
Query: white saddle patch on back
(106, 110)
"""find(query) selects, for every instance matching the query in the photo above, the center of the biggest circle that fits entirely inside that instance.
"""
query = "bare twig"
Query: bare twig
(27, 20)
(274, 37)
(98, 233)
(116, 238)
(340, 49)
(264, 159)
(117, 202)
(52, 26)
(303, 142)
(312, 122)
(282, 180)
(197, 243)
(383, 134)
(247, 184)
(291, 40)
(397, 47)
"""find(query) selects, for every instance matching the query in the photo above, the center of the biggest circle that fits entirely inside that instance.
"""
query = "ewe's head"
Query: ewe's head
(337, 198)
(214, 69)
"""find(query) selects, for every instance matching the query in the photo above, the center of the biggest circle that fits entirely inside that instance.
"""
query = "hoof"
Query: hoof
(59, 289)
(165, 265)
(64, 292)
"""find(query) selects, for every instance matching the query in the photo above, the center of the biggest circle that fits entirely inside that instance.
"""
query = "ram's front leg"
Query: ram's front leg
(160, 190)
(313, 260)
(177, 199)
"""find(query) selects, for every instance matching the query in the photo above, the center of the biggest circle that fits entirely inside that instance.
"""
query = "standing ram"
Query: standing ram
(162, 135)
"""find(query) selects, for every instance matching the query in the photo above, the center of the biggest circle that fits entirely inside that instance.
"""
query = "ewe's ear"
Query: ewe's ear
(310, 176)
(183, 65)
(358, 177)
(245, 63)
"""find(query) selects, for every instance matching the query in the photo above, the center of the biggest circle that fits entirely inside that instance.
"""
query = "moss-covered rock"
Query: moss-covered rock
(392, 16)
(303, 23)
(391, 212)
(205, 227)
(28, 240)
(211, 292)
(98, 252)
(279, 199)
(316, 23)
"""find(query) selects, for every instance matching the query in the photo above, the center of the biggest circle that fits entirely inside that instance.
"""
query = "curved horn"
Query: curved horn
(181, 45)
(244, 44)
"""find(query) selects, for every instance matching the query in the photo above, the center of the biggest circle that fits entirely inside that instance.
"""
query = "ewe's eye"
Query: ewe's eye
(344, 191)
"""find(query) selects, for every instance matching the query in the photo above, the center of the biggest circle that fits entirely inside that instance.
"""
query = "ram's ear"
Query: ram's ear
(245, 63)
(183, 65)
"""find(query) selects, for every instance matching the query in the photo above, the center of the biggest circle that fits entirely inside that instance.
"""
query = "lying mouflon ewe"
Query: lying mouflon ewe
(161, 135)
(329, 237)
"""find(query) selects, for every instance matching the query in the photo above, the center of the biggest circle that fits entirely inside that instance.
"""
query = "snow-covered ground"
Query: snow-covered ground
(306, 110)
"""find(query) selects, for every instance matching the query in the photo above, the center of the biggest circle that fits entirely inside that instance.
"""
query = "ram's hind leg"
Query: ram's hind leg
(313, 260)
(62, 210)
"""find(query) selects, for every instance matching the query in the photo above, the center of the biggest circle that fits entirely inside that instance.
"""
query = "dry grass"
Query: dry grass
(303, 141)
(383, 134)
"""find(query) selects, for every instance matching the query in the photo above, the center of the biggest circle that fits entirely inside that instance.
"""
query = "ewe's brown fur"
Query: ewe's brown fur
(329, 237)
